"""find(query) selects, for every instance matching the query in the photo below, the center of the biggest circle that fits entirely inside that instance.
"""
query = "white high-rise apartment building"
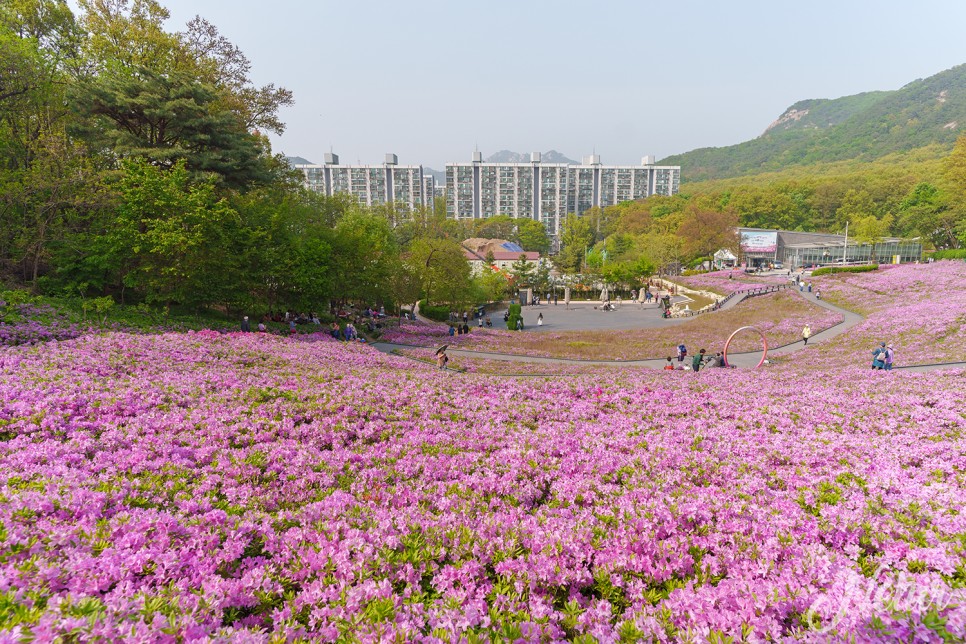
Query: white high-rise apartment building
(546, 192)
(370, 185)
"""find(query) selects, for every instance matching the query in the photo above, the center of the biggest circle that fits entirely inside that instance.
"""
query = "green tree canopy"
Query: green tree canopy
(532, 235)
(168, 118)
(443, 269)
(575, 238)
(522, 271)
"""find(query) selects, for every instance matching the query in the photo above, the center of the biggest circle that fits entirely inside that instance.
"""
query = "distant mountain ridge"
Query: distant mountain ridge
(507, 156)
(864, 126)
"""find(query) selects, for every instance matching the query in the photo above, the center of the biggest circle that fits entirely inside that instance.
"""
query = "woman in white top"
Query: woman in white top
(540, 320)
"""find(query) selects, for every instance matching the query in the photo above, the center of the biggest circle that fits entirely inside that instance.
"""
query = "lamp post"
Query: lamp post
(845, 250)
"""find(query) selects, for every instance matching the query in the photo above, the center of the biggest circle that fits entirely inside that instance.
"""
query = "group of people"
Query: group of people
(370, 318)
(246, 326)
(699, 361)
(535, 300)
(805, 287)
(459, 329)
(348, 333)
(882, 357)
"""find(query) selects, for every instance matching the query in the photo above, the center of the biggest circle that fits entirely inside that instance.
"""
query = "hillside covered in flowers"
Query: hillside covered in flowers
(247, 487)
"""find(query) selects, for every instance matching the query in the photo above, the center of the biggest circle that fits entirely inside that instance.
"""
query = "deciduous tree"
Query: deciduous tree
(575, 238)
(705, 231)
(532, 235)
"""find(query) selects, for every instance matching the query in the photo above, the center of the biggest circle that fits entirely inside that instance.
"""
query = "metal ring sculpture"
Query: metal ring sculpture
(764, 343)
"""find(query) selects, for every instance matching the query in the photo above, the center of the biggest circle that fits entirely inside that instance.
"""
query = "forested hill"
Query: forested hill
(863, 127)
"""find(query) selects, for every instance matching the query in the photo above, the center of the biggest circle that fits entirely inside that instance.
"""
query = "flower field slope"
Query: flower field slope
(252, 488)
(919, 309)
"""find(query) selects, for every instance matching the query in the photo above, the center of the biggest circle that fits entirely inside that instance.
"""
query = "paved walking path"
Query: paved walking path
(648, 316)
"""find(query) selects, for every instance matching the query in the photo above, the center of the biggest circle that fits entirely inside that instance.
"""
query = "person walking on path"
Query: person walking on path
(540, 320)
(887, 361)
(878, 356)
(682, 352)
(246, 327)
(806, 334)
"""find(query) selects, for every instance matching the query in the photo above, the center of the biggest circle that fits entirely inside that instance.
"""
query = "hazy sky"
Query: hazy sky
(432, 79)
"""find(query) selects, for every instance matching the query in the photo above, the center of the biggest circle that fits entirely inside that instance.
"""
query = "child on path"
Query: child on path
(540, 320)
(669, 366)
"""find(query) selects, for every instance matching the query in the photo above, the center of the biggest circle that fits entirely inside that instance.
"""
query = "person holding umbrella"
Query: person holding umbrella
(441, 357)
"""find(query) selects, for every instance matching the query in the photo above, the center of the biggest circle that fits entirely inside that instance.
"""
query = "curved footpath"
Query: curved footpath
(750, 359)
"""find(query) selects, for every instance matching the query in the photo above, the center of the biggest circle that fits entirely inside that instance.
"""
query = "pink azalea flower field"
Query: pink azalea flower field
(243, 487)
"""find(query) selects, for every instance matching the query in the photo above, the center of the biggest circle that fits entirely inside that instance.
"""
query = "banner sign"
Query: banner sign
(755, 242)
